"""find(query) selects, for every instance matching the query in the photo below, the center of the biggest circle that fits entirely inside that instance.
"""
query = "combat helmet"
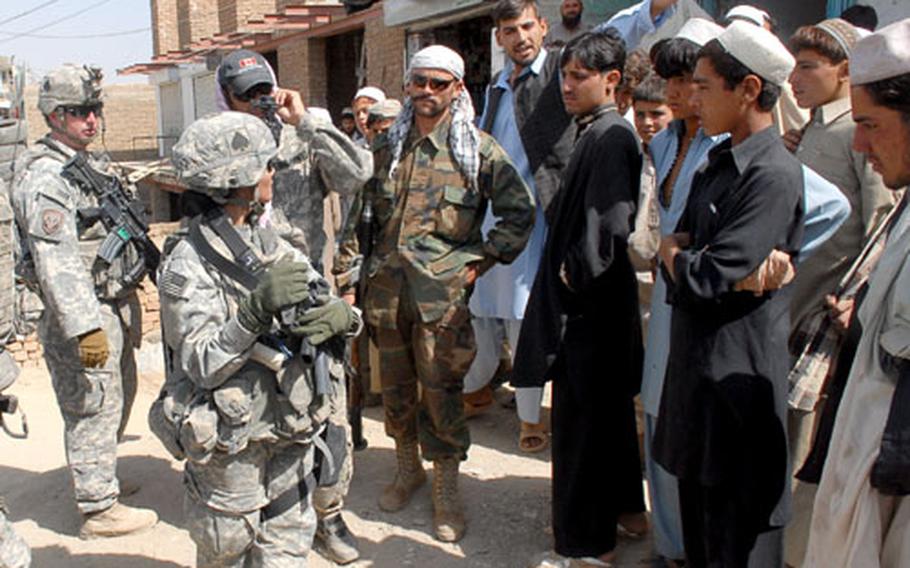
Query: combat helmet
(222, 152)
(69, 85)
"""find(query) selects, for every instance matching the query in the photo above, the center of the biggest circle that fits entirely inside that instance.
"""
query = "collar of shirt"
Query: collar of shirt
(752, 147)
(584, 121)
(438, 137)
(828, 113)
(534, 67)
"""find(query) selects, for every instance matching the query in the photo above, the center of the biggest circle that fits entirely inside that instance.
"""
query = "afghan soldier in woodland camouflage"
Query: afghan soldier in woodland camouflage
(314, 158)
(249, 425)
(435, 173)
(91, 322)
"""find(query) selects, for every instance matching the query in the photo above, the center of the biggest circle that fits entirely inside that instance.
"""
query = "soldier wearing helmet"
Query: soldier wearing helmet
(316, 164)
(239, 308)
(91, 321)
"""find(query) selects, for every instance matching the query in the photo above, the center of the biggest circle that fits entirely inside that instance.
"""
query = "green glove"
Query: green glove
(284, 284)
(322, 322)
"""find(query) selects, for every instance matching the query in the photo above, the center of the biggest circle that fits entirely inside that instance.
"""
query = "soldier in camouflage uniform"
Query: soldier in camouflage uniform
(91, 322)
(248, 441)
(314, 158)
(435, 174)
(14, 552)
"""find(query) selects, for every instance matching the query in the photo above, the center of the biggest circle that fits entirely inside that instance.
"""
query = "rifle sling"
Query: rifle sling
(238, 270)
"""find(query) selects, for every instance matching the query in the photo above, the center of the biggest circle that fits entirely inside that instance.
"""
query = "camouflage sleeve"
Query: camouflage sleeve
(199, 321)
(512, 204)
(348, 257)
(343, 165)
(48, 217)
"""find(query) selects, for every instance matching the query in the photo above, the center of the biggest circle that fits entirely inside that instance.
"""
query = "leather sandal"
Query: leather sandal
(533, 438)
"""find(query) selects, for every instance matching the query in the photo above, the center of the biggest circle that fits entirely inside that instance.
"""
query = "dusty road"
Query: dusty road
(506, 494)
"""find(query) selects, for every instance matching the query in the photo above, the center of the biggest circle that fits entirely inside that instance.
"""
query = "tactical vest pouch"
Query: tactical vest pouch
(199, 431)
(167, 413)
(295, 395)
(234, 403)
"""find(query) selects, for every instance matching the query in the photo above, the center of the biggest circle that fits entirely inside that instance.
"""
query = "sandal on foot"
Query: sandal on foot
(477, 402)
(624, 528)
(533, 438)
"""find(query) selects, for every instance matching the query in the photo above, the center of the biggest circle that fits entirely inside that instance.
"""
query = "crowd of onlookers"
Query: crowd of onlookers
(695, 231)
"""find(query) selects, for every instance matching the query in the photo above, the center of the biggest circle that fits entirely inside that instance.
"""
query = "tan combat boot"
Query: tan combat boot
(117, 521)
(409, 477)
(448, 517)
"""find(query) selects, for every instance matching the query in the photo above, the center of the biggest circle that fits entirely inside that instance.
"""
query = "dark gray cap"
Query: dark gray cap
(242, 69)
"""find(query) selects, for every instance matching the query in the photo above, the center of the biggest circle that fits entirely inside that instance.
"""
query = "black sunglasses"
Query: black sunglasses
(82, 111)
(435, 83)
(254, 92)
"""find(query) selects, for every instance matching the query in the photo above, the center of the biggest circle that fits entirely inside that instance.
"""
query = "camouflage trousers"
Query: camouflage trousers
(330, 500)
(437, 354)
(95, 404)
(227, 507)
(14, 553)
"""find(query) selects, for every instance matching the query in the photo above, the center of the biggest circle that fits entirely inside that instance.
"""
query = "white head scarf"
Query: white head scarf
(464, 138)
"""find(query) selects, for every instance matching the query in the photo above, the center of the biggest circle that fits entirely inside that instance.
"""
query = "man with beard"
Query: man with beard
(861, 511)
(435, 173)
(526, 115)
(570, 25)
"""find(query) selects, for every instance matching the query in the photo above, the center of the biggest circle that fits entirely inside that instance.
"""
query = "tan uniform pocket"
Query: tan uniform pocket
(457, 212)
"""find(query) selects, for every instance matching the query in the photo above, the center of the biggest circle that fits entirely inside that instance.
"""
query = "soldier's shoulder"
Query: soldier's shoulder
(489, 148)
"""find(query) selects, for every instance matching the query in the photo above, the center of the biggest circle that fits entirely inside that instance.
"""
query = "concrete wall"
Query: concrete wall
(889, 10)
(131, 120)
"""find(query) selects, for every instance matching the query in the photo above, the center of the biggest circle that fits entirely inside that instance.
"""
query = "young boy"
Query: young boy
(583, 314)
(651, 116)
(721, 425)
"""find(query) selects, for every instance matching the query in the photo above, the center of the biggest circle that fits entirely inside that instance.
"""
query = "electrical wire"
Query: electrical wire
(79, 36)
(27, 12)
(55, 22)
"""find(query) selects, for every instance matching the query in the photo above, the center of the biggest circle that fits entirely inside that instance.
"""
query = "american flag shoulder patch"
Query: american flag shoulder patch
(173, 284)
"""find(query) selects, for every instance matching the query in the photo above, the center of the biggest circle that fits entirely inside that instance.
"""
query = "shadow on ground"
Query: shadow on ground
(47, 498)
(59, 556)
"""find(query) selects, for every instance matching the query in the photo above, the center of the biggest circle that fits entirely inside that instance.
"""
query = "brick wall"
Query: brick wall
(302, 67)
(164, 26)
(196, 19)
(130, 114)
(385, 57)
(29, 353)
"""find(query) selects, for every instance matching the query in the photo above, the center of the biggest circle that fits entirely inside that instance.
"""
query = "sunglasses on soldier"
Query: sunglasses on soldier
(82, 111)
(254, 92)
(436, 84)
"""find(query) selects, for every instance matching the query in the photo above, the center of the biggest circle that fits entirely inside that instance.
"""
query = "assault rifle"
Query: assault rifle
(124, 219)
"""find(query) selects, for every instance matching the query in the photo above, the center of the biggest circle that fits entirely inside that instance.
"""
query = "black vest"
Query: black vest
(547, 130)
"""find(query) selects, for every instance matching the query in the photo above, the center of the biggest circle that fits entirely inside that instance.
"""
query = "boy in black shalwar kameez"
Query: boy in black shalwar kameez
(582, 327)
(722, 422)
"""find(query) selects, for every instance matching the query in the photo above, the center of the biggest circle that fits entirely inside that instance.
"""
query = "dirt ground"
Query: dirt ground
(506, 496)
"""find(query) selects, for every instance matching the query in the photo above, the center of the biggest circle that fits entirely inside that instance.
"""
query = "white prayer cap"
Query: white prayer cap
(882, 55)
(438, 57)
(699, 31)
(759, 50)
(374, 93)
(750, 13)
